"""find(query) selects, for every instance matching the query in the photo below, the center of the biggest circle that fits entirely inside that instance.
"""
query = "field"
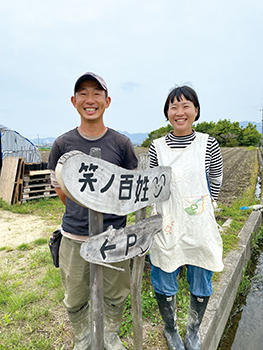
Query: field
(18, 231)
(238, 164)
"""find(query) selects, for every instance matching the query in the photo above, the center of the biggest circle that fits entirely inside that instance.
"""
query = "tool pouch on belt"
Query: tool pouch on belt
(54, 243)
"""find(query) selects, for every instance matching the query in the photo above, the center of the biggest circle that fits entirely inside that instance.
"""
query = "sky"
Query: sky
(142, 49)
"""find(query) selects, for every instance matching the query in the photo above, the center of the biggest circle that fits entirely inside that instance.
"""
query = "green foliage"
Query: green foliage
(43, 148)
(24, 246)
(182, 301)
(248, 273)
(40, 257)
(250, 136)
(31, 312)
(51, 209)
(27, 299)
(238, 216)
(257, 241)
(4, 205)
(205, 127)
(227, 133)
(231, 134)
(156, 134)
(40, 241)
(244, 285)
(149, 306)
(131, 219)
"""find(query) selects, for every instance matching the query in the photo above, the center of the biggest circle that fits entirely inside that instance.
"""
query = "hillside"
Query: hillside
(137, 139)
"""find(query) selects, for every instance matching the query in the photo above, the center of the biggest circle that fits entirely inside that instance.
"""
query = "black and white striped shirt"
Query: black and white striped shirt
(213, 158)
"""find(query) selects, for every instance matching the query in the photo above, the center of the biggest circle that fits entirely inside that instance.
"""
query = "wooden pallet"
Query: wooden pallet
(18, 188)
(43, 177)
(11, 179)
(33, 191)
(37, 184)
(47, 194)
(37, 187)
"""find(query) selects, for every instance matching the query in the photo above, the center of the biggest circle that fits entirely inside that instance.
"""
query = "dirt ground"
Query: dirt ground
(16, 229)
(238, 164)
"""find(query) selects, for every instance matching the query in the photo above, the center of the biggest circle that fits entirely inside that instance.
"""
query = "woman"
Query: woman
(190, 234)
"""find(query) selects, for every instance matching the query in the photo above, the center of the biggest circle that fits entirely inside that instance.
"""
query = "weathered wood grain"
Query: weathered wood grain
(8, 178)
(96, 280)
(107, 188)
(117, 245)
(136, 276)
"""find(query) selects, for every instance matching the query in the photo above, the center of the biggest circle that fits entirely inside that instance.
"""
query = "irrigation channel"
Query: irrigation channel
(244, 328)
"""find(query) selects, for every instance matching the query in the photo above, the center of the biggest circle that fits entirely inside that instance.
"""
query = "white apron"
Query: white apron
(190, 234)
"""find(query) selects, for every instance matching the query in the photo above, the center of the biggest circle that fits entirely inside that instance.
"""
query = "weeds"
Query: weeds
(31, 312)
(50, 209)
(24, 246)
(27, 297)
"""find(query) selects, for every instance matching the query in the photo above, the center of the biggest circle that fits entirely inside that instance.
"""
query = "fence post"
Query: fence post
(96, 279)
(136, 276)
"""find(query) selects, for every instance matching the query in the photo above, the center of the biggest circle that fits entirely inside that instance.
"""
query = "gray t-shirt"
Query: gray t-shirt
(116, 149)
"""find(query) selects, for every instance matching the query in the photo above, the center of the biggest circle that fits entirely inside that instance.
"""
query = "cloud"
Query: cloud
(141, 48)
(130, 86)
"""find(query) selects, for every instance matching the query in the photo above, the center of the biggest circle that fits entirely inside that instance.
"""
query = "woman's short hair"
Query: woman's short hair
(177, 93)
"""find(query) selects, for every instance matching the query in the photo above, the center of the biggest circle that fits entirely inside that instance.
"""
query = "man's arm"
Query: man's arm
(55, 184)
(61, 195)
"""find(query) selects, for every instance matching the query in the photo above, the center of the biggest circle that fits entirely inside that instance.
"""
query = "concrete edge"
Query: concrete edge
(225, 290)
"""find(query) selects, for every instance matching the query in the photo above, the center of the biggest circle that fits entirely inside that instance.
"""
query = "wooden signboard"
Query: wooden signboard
(108, 188)
(122, 244)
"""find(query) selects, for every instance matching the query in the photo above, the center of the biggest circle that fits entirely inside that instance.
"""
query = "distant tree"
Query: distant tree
(204, 127)
(226, 133)
(232, 142)
(226, 127)
(156, 134)
(249, 136)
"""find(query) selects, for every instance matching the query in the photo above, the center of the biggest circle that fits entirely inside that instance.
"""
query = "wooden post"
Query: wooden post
(96, 279)
(136, 277)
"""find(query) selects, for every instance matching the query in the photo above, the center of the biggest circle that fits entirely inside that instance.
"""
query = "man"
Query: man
(0, 154)
(91, 100)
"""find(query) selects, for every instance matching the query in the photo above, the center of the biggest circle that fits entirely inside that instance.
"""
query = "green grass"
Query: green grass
(28, 295)
(50, 209)
(32, 315)
(248, 274)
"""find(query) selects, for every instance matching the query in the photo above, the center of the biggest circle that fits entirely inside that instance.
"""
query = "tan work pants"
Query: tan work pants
(76, 278)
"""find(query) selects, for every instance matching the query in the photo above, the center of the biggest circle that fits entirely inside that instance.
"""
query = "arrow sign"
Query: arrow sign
(108, 188)
(118, 245)
(106, 247)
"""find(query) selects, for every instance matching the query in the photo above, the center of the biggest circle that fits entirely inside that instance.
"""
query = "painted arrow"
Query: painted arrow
(118, 245)
(106, 247)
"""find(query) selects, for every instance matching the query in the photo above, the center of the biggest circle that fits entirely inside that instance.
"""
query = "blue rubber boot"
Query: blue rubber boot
(167, 306)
